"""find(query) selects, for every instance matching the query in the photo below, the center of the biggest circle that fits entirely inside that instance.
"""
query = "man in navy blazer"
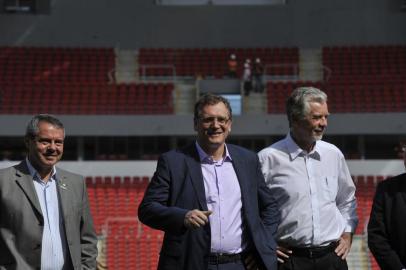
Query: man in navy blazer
(211, 201)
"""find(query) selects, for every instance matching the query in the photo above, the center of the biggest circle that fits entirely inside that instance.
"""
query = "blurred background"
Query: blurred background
(123, 77)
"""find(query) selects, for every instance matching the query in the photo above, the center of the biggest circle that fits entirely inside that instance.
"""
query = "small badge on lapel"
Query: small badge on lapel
(63, 186)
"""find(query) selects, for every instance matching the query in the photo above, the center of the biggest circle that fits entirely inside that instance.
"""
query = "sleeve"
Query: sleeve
(88, 237)
(345, 200)
(268, 205)
(378, 240)
(265, 165)
(155, 209)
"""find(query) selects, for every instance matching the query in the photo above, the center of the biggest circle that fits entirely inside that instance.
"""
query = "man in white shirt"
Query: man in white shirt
(311, 181)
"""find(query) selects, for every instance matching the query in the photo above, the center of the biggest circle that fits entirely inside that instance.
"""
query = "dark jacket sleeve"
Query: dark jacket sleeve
(88, 237)
(155, 209)
(378, 237)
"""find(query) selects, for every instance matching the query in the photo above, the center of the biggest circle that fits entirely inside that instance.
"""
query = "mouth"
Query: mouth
(50, 156)
(214, 133)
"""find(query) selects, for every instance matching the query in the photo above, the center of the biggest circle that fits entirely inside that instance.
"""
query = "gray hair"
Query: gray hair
(297, 105)
(32, 127)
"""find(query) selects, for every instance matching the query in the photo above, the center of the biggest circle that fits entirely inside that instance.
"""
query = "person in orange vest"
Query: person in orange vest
(232, 66)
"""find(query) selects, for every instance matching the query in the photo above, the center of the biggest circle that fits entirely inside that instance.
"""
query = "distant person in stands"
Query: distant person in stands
(312, 183)
(387, 223)
(45, 221)
(211, 201)
(232, 66)
(247, 78)
(6, 155)
(258, 74)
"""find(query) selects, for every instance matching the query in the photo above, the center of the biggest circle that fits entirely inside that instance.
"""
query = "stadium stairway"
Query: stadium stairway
(126, 66)
(310, 65)
(358, 258)
(255, 103)
(185, 96)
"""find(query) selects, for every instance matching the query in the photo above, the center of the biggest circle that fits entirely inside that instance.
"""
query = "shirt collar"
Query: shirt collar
(295, 151)
(205, 158)
(34, 173)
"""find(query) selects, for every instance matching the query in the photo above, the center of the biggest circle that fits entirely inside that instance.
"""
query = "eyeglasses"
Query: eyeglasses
(210, 120)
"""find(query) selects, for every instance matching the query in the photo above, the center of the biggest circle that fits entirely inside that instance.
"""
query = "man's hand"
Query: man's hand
(250, 262)
(344, 245)
(196, 218)
(282, 253)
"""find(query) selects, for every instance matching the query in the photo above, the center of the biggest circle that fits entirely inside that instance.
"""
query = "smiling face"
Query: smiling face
(213, 126)
(46, 148)
(310, 129)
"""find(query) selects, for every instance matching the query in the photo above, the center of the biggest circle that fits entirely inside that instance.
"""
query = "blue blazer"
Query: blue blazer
(177, 187)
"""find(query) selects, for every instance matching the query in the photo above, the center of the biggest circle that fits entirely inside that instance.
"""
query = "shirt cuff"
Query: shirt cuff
(349, 228)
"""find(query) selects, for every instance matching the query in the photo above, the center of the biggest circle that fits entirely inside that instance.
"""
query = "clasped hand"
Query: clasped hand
(196, 218)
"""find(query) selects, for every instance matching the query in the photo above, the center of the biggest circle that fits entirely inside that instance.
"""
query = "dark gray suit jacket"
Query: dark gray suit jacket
(177, 187)
(21, 220)
(387, 224)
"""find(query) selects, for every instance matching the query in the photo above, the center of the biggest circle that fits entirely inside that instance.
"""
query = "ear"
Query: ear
(195, 124)
(27, 142)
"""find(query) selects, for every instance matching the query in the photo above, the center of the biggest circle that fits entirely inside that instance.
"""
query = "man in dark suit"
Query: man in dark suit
(45, 221)
(211, 200)
(386, 228)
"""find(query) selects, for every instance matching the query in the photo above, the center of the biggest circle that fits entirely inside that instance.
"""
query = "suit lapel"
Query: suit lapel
(239, 168)
(195, 171)
(25, 181)
(402, 186)
(63, 191)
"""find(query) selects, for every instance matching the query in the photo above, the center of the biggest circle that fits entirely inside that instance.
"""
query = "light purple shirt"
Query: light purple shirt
(223, 197)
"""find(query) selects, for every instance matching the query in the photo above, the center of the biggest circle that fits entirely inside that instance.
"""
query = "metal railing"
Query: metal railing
(169, 72)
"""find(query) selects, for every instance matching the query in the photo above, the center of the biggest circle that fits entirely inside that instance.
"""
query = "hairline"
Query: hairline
(32, 128)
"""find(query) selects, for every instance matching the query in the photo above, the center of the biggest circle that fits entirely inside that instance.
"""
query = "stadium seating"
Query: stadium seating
(55, 64)
(89, 98)
(213, 61)
(75, 81)
(363, 79)
(345, 97)
(112, 197)
(366, 63)
(114, 202)
(114, 205)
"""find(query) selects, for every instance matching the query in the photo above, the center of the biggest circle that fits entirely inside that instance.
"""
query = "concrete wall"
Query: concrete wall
(182, 125)
(135, 24)
(147, 168)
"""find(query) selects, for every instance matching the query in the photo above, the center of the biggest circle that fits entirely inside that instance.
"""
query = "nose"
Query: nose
(52, 146)
(216, 122)
(323, 121)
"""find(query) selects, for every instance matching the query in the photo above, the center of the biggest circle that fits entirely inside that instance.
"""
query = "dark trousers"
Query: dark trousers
(330, 261)
(238, 265)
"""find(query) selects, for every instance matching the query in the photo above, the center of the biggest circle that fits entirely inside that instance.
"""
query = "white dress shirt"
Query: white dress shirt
(315, 192)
